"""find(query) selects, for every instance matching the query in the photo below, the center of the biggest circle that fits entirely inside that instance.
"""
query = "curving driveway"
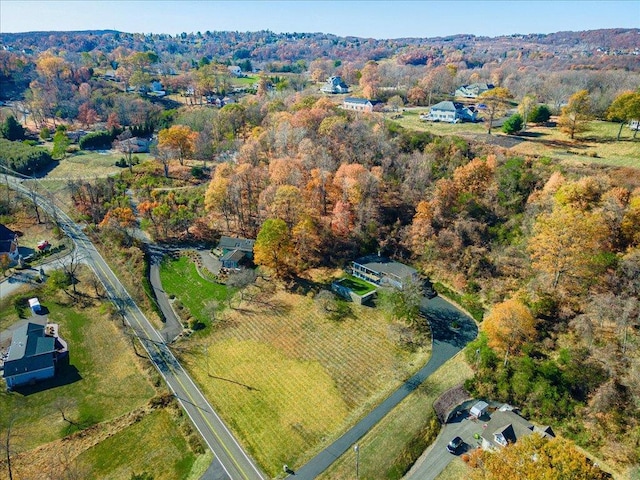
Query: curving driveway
(446, 343)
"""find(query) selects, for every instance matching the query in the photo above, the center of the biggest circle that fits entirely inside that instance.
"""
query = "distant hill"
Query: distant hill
(619, 47)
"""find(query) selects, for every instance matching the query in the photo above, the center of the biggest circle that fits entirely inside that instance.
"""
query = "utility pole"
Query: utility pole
(356, 448)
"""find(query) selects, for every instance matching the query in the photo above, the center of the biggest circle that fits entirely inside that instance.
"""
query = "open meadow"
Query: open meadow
(288, 379)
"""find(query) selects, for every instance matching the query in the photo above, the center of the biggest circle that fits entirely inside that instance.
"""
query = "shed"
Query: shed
(479, 409)
(34, 305)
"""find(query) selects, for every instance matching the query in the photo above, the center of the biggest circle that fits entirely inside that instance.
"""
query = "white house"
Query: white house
(451, 112)
(335, 85)
(474, 90)
(235, 70)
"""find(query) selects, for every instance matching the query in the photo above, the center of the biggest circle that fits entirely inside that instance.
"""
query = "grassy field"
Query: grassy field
(456, 470)
(180, 278)
(89, 165)
(102, 381)
(104, 390)
(166, 454)
(288, 380)
(597, 145)
(383, 450)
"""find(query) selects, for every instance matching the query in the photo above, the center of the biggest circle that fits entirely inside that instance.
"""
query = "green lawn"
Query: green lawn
(244, 81)
(103, 380)
(180, 278)
(155, 445)
(357, 285)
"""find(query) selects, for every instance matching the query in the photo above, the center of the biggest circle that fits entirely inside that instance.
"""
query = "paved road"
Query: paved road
(233, 462)
(446, 343)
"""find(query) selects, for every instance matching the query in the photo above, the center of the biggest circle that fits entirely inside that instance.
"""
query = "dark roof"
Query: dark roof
(30, 350)
(387, 266)
(360, 101)
(232, 255)
(511, 425)
(233, 243)
(6, 233)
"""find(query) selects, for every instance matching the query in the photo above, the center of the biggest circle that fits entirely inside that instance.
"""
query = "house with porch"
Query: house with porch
(382, 271)
(235, 250)
(34, 353)
(451, 112)
(335, 85)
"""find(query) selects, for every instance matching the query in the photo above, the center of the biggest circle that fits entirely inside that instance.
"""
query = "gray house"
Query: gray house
(507, 427)
(335, 85)
(235, 250)
(33, 354)
(8, 243)
(473, 90)
(451, 112)
(382, 271)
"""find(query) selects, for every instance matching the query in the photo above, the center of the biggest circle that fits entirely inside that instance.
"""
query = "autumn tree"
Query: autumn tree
(625, 107)
(497, 101)
(566, 243)
(577, 114)
(535, 456)
(179, 139)
(526, 106)
(273, 247)
(403, 303)
(370, 80)
(508, 326)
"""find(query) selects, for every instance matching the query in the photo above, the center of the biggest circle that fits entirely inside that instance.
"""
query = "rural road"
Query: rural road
(233, 462)
(446, 343)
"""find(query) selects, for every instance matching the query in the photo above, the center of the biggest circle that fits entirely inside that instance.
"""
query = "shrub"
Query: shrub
(513, 124)
(539, 114)
(45, 133)
(23, 158)
(11, 129)
(96, 140)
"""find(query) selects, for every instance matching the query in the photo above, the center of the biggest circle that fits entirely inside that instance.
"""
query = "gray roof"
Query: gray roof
(232, 255)
(511, 425)
(233, 243)
(387, 266)
(360, 101)
(30, 350)
(448, 106)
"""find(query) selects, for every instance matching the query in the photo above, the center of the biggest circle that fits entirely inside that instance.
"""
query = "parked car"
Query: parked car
(454, 445)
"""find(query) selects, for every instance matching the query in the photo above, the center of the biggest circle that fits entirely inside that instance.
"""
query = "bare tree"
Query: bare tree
(240, 280)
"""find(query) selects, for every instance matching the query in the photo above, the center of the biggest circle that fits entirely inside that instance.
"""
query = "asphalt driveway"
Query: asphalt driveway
(436, 458)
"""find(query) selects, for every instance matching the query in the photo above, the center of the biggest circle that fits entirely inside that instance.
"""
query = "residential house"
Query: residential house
(382, 271)
(451, 112)
(505, 427)
(33, 354)
(235, 70)
(358, 104)
(134, 145)
(235, 250)
(335, 85)
(474, 90)
(9, 243)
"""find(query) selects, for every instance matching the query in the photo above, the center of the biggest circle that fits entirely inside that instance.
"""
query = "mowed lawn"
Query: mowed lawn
(89, 165)
(103, 380)
(288, 380)
(180, 278)
(597, 145)
(357, 285)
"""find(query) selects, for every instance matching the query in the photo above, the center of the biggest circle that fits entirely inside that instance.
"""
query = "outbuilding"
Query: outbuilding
(34, 305)
(479, 409)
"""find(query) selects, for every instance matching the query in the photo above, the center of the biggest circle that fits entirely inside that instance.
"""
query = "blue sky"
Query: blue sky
(377, 19)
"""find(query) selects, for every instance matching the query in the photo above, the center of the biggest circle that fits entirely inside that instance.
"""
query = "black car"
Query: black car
(454, 445)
